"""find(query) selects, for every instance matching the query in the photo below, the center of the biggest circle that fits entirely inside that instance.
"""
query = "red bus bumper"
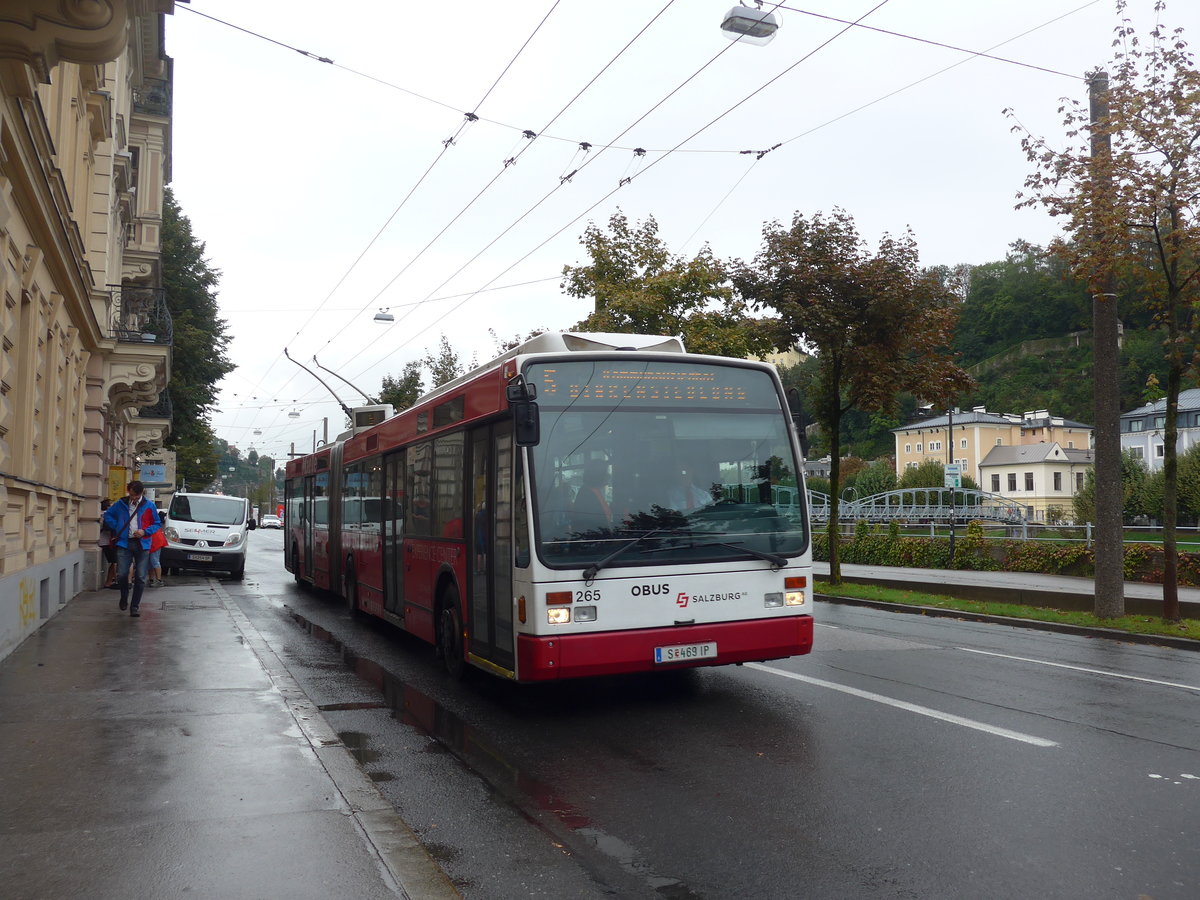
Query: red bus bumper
(547, 657)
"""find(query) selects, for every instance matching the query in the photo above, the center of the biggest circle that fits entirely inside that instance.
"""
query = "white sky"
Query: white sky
(288, 167)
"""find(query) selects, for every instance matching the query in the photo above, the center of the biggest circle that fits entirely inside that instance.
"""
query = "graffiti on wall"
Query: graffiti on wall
(28, 610)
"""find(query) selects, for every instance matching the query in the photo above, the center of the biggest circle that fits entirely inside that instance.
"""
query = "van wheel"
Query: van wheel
(450, 635)
(239, 573)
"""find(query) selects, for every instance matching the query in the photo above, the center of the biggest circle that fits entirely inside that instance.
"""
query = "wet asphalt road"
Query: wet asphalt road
(906, 757)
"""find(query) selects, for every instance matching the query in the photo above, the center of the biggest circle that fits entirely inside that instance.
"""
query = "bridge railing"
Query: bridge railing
(924, 505)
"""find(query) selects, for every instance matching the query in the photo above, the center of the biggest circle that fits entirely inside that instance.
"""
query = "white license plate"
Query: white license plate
(199, 557)
(685, 652)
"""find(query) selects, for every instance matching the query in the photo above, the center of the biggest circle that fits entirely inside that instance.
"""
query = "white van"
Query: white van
(207, 532)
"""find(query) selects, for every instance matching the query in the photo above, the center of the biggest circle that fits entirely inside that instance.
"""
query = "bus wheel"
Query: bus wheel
(450, 636)
(350, 587)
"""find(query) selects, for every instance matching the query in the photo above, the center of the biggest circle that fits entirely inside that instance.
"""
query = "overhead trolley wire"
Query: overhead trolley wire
(893, 93)
(468, 118)
(623, 182)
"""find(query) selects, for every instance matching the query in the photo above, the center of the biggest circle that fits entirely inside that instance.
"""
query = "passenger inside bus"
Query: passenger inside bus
(693, 485)
(591, 511)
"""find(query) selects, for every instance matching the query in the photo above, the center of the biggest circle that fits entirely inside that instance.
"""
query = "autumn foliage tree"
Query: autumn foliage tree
(877, 323)
(1132, 211)
(638, 286)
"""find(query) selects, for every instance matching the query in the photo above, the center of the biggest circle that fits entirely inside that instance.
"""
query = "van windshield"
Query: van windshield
(209, 510)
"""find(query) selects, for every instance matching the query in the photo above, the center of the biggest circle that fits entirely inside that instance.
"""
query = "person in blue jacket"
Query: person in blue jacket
(132, 522)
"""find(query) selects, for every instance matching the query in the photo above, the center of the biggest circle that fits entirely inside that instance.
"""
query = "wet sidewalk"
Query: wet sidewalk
(174, 755)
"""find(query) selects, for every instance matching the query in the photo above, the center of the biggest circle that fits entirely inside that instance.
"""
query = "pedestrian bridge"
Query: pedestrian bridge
(924, 505)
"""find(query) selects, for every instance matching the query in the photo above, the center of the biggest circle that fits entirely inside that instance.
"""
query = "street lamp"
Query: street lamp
(750, 26)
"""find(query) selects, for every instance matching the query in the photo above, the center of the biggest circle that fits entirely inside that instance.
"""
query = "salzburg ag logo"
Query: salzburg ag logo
(682, 600)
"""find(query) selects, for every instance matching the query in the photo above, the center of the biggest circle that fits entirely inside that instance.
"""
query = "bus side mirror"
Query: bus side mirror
(527, 430)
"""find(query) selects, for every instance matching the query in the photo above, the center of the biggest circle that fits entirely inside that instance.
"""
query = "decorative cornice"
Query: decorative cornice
(40, 33)
(135, 380)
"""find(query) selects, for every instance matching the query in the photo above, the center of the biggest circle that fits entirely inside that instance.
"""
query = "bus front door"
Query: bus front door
(490, 610)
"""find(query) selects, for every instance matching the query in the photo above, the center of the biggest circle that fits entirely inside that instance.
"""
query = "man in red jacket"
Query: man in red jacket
(132, 522)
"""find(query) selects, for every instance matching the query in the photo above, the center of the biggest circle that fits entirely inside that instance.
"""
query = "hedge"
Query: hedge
(878, 545)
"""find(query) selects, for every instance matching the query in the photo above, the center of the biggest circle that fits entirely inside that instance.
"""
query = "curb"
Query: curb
(400, 852)
(1112, 634)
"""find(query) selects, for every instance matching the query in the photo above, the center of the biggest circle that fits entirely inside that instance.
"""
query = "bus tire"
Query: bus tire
(350, 587)
(450, 635)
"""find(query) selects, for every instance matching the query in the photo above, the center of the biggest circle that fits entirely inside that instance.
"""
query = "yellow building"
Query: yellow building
(85, 106)
(976, 432)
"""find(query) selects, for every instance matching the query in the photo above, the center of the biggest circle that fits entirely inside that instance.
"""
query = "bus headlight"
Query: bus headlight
(794, 588)
(585, 614)
(773, 599)
(560, 615)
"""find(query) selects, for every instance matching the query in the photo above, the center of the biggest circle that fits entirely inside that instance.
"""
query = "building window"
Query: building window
(962, 444)
(999, 441)
(1158, 451)
(1070, 445)
(1058, 481)
(1029, 481)
(1012, 481)
(1137, 425)
(1138, 452)
(919, 450)
(995, 484)
(935, 445)
(1078, 481)
(908, 448)
(1160, 421)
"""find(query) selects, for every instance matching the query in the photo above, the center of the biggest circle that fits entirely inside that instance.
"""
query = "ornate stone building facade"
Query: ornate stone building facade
(85, 333)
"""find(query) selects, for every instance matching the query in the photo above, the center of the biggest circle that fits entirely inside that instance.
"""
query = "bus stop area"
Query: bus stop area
(173, 754)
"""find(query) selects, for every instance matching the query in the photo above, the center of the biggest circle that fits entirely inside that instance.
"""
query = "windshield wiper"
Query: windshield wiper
(590, 572)
(776, 561)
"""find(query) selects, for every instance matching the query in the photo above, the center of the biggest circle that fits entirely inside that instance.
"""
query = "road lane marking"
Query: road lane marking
(909, 707)
(1044, 662)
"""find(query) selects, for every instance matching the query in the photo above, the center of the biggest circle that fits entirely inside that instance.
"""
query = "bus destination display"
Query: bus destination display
(593, 382)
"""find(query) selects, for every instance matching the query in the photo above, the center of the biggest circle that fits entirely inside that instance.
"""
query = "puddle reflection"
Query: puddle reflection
(417, 709)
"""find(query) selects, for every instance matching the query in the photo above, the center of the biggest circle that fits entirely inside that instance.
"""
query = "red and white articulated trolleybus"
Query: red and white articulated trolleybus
(585, 504)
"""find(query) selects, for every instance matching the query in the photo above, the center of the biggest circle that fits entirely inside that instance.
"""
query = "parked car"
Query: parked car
(269, 521)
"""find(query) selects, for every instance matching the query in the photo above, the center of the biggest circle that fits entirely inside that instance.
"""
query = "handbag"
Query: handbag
(158, 540)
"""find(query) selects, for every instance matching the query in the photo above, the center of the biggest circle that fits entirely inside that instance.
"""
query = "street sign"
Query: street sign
(953, 475)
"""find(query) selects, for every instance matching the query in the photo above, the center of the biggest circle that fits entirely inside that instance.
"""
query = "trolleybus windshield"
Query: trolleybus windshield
(656, 462)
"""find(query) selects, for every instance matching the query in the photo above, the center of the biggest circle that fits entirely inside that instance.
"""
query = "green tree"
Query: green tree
(876, 323)
(1132, 211)
(1029, 294)
(1138, 496)
(639, 287)
(199, 342)
(930, 473)
(878, 478)
(403, 392)
(444, 364)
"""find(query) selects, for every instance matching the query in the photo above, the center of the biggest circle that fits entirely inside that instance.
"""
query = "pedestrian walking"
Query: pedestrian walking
(158, 540)
(107, 548)
(133, 521)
